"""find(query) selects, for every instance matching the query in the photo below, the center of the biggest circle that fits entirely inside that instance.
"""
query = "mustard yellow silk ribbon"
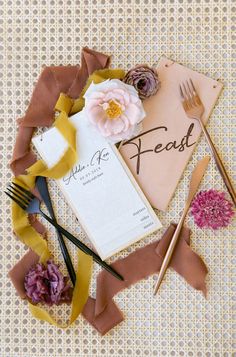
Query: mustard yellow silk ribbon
(80, 293)
(26, 233)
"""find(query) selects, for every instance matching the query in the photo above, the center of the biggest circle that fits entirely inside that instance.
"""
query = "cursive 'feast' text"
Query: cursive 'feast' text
(172, 145)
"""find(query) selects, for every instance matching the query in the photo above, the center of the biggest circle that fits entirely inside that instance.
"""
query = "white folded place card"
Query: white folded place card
(100, 189)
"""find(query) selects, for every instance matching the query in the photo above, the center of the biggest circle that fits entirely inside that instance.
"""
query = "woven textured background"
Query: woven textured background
(197, 33)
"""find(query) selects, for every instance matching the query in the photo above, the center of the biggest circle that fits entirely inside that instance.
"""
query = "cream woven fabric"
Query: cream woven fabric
(197, 33)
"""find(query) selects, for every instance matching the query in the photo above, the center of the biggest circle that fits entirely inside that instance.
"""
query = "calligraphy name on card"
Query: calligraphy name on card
(158, 156)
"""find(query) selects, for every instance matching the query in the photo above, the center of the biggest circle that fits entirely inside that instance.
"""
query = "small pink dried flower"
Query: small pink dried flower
(46, 284)
(144, 79)
(211, 209)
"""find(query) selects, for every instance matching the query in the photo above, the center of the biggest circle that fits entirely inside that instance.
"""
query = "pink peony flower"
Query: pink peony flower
(211, 209)
(47, 284)
(115, 109)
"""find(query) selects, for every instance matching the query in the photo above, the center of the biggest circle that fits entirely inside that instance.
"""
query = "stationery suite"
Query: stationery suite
(113, 192)
(104, 196)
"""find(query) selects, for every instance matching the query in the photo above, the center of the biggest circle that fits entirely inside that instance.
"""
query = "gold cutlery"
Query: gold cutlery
(194, 109)
(194, 184)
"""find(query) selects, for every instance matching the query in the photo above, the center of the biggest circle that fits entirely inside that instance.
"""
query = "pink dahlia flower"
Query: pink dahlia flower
(211, 209)
(115, 109)
(46, 284)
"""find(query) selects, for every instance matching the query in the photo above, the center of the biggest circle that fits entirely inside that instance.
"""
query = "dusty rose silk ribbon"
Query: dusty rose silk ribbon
(40, 113)
(101, 312)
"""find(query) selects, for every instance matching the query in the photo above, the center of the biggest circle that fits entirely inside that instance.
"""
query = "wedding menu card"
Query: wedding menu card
(158, 156)
(106, 199)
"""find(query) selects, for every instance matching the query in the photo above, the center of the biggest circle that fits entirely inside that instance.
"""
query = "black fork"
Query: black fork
(31, 204)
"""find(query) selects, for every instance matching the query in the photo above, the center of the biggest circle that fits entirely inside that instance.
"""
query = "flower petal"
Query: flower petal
(114, 126)
(125, 121)
(132, 112)
(95, 114)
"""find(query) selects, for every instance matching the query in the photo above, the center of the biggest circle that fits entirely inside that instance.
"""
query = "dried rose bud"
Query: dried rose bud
(46, 284)
(144, 79)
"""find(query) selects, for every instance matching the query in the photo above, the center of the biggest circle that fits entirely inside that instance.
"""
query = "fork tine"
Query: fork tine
(196, 96)
(181, 92)
(184, 93)
(194, 90)
(190, 91)
(191, 94)
(18, 196)
(21, 193)
(16, 200)
(23, 189)
(187, 97)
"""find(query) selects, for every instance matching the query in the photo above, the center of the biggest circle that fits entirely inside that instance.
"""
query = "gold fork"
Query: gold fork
(194, 109)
